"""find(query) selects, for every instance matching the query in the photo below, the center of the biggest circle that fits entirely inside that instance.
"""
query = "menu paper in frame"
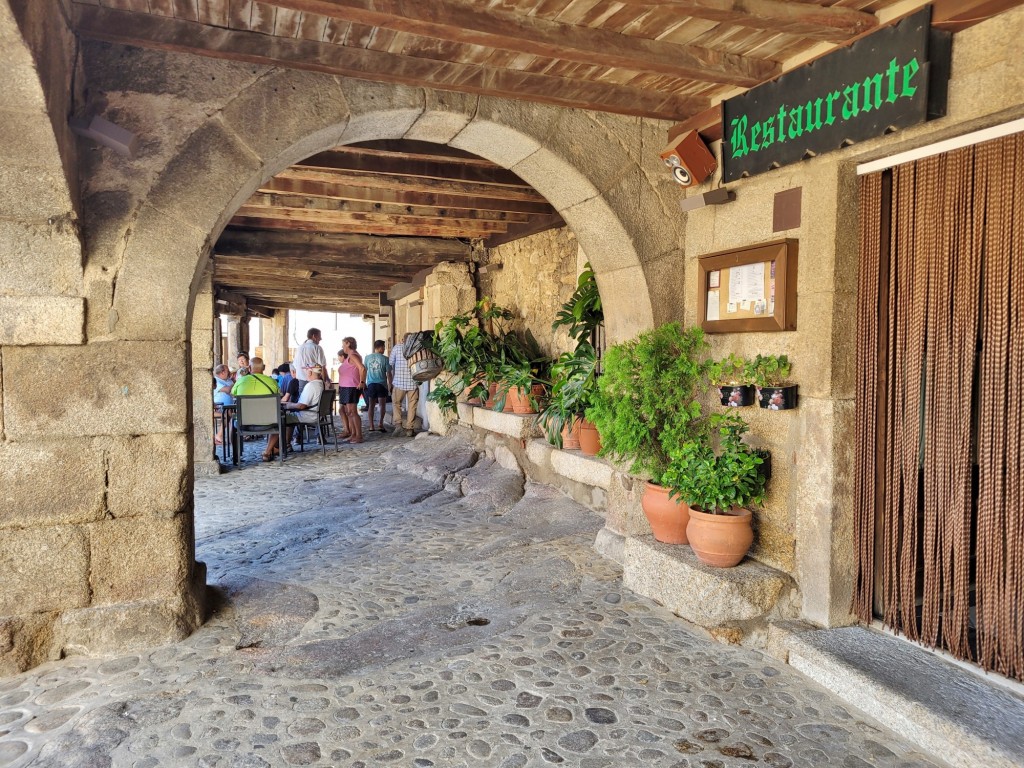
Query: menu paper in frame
(749, 289)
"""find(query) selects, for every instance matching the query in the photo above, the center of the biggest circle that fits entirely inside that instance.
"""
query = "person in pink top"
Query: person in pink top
(351, 380)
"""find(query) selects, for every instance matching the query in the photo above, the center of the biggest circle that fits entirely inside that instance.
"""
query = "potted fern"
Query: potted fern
(718, 476)
(646, 407)
(769, 374)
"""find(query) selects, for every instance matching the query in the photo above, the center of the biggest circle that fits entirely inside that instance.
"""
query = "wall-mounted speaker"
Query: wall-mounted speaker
(689, 159)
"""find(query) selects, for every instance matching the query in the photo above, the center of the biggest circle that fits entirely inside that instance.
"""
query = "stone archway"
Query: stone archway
(240, 148)
(134, 580)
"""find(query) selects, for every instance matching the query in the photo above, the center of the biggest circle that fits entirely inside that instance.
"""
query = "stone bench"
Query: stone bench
(734, 605)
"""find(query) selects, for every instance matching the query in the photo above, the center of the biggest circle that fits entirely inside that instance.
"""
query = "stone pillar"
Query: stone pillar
(275, 338)
(245, 343)
(234, 338)
(448, 291)
(218, 332)
(203, 352)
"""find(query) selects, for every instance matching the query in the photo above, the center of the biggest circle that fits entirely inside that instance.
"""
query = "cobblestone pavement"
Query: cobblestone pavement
(407, 603)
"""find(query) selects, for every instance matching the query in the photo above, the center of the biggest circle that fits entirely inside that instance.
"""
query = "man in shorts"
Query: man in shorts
(376, 392)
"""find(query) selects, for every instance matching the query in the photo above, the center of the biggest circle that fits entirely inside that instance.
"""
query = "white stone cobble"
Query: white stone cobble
(370, 616)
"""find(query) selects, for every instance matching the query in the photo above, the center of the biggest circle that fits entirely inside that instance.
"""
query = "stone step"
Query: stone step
(733, 604)
(952, 713)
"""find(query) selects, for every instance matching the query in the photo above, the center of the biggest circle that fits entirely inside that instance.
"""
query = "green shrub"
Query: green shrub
(646, 401)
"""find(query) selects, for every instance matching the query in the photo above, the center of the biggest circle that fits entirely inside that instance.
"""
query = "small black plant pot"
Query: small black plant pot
(736, 396)
(777, 398)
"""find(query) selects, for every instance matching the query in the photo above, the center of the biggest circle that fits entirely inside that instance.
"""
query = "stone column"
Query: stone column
(275, 338)
(218, 352)
(243, 336)
(234, 338)
(204, 352)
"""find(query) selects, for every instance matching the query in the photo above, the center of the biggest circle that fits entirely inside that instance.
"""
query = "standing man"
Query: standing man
(310, 355)
(403, 389)
(377, 367)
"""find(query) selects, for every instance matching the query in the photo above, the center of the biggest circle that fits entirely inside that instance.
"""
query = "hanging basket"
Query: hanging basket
(424, 364)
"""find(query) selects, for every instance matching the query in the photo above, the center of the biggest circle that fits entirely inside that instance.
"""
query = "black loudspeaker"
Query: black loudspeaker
(689, 159)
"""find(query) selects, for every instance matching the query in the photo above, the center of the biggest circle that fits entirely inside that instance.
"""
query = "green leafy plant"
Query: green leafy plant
(574, 374)
(583, 312)
(574, 382)
(523, 366)
(715, 470)
(474, 346)
(646, 402)
(767, 370)
(729, 371)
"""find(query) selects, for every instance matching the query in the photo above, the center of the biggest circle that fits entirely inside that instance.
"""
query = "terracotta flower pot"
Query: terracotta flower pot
(590, 440)
(571, 436)
(668, 517)
(720, 540)
(492, 394)
(520, 401)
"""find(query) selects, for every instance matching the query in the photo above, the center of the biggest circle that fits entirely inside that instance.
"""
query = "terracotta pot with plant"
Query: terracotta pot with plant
(646, 407)
(718, 475)
(474, 346)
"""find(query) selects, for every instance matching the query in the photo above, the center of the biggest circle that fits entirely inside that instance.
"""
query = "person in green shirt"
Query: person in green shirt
(255, 383)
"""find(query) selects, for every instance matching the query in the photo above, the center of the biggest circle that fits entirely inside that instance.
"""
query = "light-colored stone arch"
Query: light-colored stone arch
(286, 116)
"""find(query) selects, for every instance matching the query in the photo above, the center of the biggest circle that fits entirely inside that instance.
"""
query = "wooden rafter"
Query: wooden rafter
(383, 230)
(803, 19)
(173, 34)
(371, 205)
(364, 248)
(475, 24)
(400, 196)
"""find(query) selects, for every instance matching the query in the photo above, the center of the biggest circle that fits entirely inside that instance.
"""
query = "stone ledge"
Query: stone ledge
(589, 470)
(610, 545)
(734, 604)
(947, 711)
(521, 426)
(466, 413)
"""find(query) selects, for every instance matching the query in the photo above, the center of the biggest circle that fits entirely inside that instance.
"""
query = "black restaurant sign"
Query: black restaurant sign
(893, 78)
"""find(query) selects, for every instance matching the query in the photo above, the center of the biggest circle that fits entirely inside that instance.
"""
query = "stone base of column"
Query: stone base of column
(131, 626)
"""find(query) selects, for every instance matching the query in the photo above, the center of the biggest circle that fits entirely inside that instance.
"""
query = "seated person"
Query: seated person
(255, 383)
(221, 397)
(305, 411)
(222, 387)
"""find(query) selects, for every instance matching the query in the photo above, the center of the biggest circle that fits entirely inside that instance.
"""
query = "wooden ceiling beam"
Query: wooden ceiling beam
(341, 281)
(370, 161)
(362, 221)
(364, 248)
(373, 180)
(540, 224)
(363, 306)
(383, 230)
(296, 268)
(833, 24)
(368, 205)
(399, 196)
(153, 31)
(469, 23)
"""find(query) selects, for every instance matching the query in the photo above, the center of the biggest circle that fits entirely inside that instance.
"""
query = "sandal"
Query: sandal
(268, 457)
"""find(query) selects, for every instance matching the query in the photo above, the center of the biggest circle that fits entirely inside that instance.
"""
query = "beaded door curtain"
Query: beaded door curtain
(939, 513)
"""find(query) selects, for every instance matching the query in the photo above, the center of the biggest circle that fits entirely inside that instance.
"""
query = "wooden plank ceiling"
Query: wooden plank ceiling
(666, 59)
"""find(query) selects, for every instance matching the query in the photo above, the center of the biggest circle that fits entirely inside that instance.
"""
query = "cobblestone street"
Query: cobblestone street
(408, 603)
